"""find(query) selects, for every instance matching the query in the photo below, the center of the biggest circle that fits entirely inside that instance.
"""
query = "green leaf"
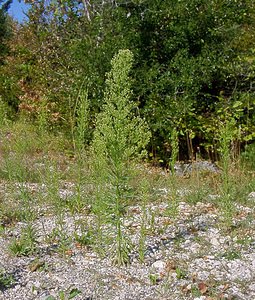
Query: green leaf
(74, 293)
(237, 104)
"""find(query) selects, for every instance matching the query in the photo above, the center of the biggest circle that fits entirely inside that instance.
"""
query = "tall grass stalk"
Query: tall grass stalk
(144, 190)
(226, 136)
(16, 147)
(3, 113)
(51, 177)
(17, 171)
(174, 143)
(82, 120)
(43, 117)
(120, 137)
(79, 118)
(81, 139)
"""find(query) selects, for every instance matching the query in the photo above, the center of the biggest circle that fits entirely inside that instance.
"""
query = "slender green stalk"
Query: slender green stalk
(3, 113)
(174, 143)
(42, 117)
(144, 188)
(225, 138)
(82, 121)
(174, 149)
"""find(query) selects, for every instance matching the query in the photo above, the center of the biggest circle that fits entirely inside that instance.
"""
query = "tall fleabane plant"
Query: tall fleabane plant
(120, 138)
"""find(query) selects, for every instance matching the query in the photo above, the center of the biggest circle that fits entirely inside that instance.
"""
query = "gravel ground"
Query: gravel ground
(188, 257)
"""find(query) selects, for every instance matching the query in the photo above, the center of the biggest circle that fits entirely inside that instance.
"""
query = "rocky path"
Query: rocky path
(190, 256)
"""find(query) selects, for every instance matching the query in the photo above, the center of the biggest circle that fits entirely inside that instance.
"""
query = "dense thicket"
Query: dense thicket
(194, 64)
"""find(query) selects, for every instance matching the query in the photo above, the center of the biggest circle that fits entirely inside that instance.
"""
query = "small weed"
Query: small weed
(178, 240)
(152, 227)
(175, 150)
(180, 273)
(232, 255)
(20, 247)
(26, 244)
(199, 195)
(10, 215)
(64, 247)
(6, 280)
(144, 198)
(61, 241)
(66, 295)
(226, 200)
(73, 293)
(172, 208)
(195, 291)
(85, 239)
(244, 241)
(154, 279)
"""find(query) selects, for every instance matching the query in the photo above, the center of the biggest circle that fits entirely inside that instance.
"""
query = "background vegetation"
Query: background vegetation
(193, 67)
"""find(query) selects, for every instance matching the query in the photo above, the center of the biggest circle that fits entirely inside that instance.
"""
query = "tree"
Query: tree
(188, 55)
(193, 60)
(4, 28)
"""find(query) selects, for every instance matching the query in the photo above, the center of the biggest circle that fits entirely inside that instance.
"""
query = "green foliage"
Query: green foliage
(42, 117)
(188, 54)
(3, 113)
(6, 280)
(81, 132)
(19, 141)
(8, 89)
(180, 273)
(174, 149)
(66, 295)
(193, 61)
(119, 134)
(248, 156)
(232, 255)
(26, 244)
(119, 138)
(154, 278)
(226, 136)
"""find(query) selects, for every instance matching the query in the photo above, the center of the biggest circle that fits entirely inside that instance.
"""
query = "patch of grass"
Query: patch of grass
(181, 273)
(85, 239)
(26, 244)
(198, 195)
(245, 241)
(232, 255)
(6, 280)
(20, 247)
(248, 157)
(195, 291)
(10, 215)
(154, 279)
